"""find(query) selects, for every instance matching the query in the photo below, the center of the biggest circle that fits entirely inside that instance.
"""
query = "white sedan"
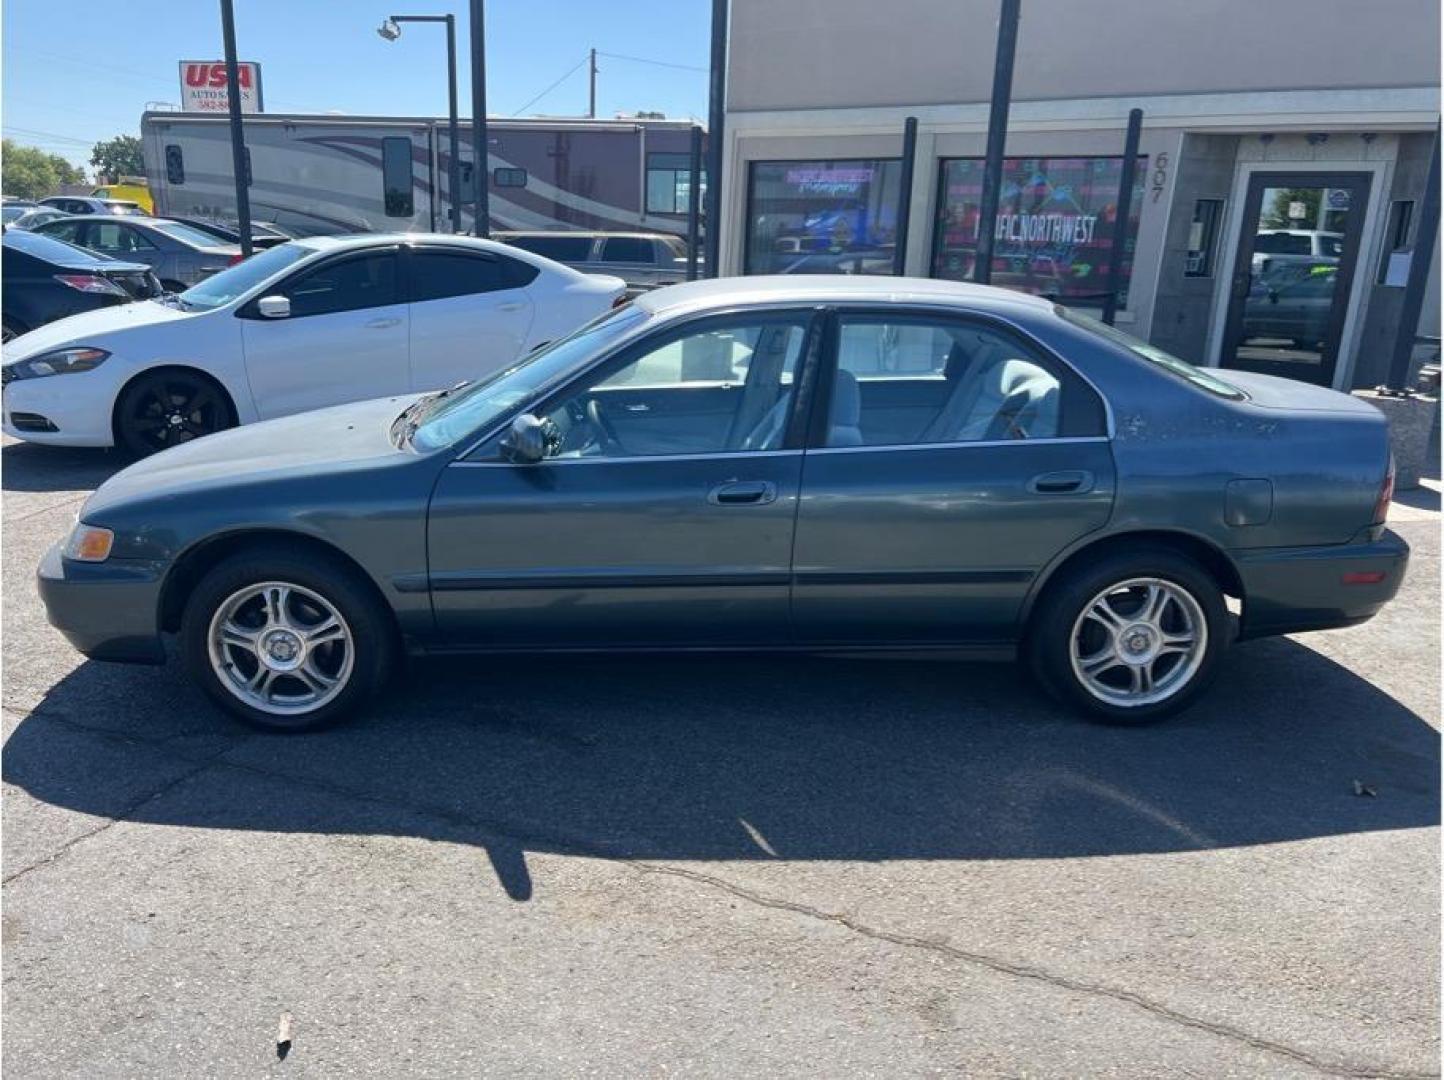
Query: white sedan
(307, 324)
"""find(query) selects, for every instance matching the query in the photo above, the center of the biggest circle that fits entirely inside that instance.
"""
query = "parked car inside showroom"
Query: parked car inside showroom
(813, 463)
(311, 323)
(46, 280)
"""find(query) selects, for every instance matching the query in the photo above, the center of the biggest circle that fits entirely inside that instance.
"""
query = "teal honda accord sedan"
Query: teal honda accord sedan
(793, 463)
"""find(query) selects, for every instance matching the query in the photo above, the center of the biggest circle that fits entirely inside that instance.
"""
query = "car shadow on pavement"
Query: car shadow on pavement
(28, 467)
(747, 758)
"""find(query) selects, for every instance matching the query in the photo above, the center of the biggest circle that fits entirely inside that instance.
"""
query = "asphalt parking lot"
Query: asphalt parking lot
(721, 866)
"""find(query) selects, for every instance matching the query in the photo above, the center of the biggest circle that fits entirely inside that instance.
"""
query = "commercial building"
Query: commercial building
(1282, 163)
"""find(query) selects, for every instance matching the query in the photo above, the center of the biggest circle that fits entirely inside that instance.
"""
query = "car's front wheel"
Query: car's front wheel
(166, 407)
(286, 640)
(1134, 637)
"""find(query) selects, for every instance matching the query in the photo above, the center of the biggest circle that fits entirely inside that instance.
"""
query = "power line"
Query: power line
(655, 63)
(570, 72)
(55, 135)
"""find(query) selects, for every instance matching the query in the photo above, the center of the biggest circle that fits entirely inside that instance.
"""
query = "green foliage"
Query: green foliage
(118, 157)
(30, 173)
(1277, 215)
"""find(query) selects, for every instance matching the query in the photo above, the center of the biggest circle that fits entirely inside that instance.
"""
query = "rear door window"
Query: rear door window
(566, 249)
(627, 249)
(437, 275)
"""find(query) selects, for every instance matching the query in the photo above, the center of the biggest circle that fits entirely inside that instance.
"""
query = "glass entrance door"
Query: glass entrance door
(1290, 289)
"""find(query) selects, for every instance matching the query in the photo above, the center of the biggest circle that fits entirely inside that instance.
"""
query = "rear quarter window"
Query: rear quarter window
(1182, 369)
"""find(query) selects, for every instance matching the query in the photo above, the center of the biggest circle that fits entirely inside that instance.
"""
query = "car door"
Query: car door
(671, 537)
(470, 314)
(950, 459)
(345, 338)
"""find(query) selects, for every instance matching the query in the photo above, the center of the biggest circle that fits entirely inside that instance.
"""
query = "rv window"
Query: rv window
(436, 275)
(509, 177)
(175, 165)
(669, 179)
(396, 177)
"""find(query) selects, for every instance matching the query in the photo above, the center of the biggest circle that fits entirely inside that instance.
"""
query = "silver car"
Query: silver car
(643, 260)
(179, 254)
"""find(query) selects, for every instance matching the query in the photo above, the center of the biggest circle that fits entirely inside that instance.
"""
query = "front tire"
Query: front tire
(286, 640)
(1131, 638)
(166, 407)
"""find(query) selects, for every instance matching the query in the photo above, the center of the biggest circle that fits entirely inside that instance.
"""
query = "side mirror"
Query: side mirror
(274, 307)
(525, 443)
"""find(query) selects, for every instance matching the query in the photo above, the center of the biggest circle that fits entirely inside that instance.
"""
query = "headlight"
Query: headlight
(59, 362)
(88, 543)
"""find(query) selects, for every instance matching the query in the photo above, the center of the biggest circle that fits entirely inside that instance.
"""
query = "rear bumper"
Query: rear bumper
(1292, 590)
(109, 610)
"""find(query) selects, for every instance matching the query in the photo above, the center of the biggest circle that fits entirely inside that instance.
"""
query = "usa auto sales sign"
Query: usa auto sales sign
(203, 86)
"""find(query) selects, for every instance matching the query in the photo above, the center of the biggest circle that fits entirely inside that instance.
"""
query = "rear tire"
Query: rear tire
(287, 639)
(1129, 639)
(167, 407)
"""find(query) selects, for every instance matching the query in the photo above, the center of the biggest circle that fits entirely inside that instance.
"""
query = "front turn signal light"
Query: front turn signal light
(89, 543)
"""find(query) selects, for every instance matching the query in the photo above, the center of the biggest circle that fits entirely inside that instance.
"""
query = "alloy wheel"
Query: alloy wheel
(1138, 642)
(280, 648)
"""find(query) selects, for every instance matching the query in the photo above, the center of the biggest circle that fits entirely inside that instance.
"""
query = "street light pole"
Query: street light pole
(238, 139)
(390, 30)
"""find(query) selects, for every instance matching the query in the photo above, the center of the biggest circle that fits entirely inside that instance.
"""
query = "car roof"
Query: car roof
(586, 232)
(359, 241)
(717, 293)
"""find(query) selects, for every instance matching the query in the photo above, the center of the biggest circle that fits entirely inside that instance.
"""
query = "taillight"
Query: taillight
(237, 257)
(1386, 495)
(91, 283)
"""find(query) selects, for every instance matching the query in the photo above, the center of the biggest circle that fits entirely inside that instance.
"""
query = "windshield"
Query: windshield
(1172, 364)
(483, 402)
(240, 279)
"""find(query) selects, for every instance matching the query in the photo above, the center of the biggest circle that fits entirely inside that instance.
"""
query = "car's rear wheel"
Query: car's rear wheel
(1134, 637)
(169, 406)
(286, 640)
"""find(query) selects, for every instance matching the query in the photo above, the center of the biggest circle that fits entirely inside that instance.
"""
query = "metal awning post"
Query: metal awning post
(716, 112)
(997, 137)
(1425, 234)
(905, 196)
(1124, 208)
(238, 137)
(694, 203)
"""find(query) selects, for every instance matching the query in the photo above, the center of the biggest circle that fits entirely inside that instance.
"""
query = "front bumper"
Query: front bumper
(1292, 590)
(81, 415)
(108, 610)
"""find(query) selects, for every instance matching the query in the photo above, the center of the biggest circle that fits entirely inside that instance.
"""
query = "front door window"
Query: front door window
(727, 388)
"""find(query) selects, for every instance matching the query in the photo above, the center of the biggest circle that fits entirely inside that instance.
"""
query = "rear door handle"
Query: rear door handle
(1063, 482)
(508, 307)
(742, 493)
(382, 324)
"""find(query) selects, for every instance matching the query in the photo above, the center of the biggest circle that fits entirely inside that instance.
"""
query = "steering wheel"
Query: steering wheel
(603, 427)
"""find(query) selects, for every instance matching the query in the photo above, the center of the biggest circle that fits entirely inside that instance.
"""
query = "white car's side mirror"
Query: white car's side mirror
(274, 307)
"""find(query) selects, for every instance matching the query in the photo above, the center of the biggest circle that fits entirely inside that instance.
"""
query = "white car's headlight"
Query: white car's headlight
(59, 362)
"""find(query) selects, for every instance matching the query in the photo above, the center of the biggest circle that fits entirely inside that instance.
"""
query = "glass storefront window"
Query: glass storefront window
(822, 217)
(1056, 218)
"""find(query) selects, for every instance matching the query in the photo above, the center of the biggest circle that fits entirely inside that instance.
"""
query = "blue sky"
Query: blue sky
(73, 75)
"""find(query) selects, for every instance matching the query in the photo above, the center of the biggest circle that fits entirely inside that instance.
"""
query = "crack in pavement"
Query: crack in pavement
(46, 509)
(590, 848)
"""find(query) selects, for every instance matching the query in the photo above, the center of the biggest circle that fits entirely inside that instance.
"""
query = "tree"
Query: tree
(118, 157)
(30, 173)
(1277, 215)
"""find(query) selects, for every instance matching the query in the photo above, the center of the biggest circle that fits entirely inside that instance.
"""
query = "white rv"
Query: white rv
(341, 174)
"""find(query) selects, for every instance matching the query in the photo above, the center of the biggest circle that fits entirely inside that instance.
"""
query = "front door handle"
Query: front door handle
(1063, 482)
(743, 493)
(382, 324)
(508, 307)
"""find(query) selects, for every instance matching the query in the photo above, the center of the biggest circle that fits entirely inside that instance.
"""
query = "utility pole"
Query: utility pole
(238, 139)
(481, 167)
(592, 88)
(716, 112)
